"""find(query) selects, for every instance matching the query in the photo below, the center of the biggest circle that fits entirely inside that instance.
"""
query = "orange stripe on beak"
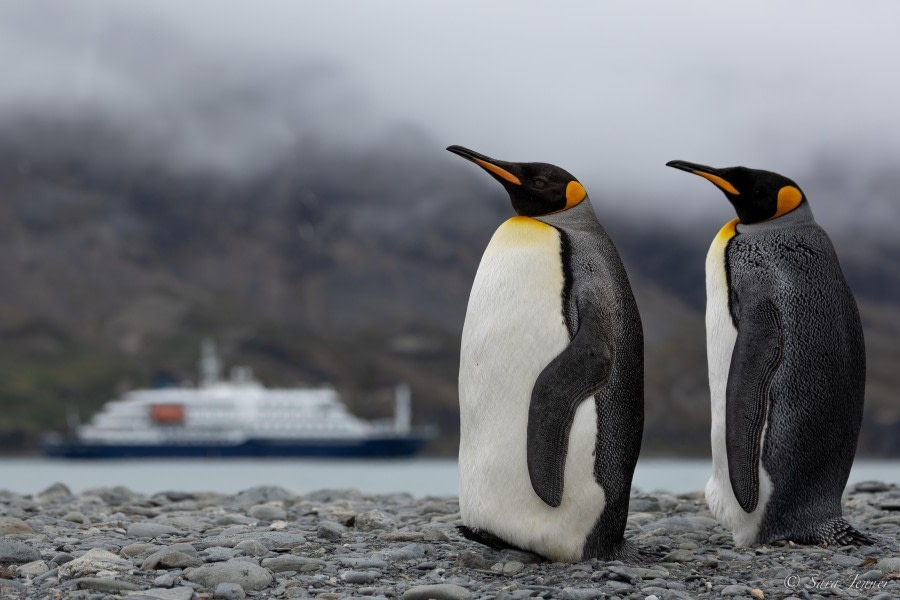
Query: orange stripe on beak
(719, 182)
(502, 173)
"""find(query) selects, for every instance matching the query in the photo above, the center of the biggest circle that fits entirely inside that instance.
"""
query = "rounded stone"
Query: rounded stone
(248, 575)
(512, 567)
(251, 548)
(229, 591)
(374, 519)
(149, 530)
(17, 553)
(267, 512)
(92, 562)
(329, 530)
(441, 591)
(360, 577)
(13, 525)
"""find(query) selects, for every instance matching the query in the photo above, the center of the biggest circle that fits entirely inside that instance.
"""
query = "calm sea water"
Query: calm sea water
(419, 477)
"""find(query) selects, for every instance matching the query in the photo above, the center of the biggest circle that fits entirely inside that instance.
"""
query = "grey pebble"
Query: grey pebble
(512, 567)
(572, 593)
(221, 554)
(250, 547)
(58, 492)
(289, 562)
(679, 556)
(61, 558)
(873, 575)
(248, 575)
(16, 552)
(267, 512)
(52, 573)
(76, 517)
(435, 534)
(13, 526)
(229, 591)
(360, 577)
(846, 561)
(178, 593)
(735, 590)
(8, 583)
(150, 530)
(33, 569)
(441, 591)
(871, 486)
(330, 530)
(407, 552)
(166, 580)
(889, 564)
(103, 584)
(618, 586)
(176, 555)
(262, 494)
(374, 519)
(644, 505)
(363, 563)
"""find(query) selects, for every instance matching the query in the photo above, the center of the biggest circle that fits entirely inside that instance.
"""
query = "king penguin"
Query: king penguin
(550, 376)
(786, 366)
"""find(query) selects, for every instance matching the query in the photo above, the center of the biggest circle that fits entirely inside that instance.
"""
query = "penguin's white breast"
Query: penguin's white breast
(514, 327)
(721, 335)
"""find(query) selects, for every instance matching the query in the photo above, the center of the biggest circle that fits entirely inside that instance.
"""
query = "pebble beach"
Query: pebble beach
(267, 542)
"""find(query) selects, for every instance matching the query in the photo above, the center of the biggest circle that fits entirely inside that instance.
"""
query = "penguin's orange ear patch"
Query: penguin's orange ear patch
(789, 198)
(575, 193)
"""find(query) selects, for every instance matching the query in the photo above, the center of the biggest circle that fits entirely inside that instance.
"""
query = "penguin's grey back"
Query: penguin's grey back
(816, 396)
(594, 274)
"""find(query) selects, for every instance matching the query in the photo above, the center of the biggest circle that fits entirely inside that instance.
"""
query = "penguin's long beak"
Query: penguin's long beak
(710, 173)
(498, 168)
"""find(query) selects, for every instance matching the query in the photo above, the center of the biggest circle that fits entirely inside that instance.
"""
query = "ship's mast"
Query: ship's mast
(210, 367)
(402, 409)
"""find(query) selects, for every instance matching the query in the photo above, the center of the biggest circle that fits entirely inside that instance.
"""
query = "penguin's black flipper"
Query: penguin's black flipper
(576, 374)
(757, 354)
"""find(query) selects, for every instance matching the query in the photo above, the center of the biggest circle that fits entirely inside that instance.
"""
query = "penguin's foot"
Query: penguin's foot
(628, 551)
(837, 532)
(485, 537)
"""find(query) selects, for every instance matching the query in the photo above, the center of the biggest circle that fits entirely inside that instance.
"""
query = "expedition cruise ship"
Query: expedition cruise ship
(238, 417)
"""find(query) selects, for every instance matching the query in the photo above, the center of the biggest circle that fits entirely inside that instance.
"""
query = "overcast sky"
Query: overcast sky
(608, 90)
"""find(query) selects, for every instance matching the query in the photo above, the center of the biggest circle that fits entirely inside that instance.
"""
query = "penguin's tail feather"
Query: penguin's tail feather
(485, 537)
(838, 532)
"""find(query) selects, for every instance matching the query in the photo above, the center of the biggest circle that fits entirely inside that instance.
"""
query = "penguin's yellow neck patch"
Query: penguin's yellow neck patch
(520, 221)
(789, 198)
(728, 231)
(719, 182)
(521, 231)
(575, 193)
(498, 171)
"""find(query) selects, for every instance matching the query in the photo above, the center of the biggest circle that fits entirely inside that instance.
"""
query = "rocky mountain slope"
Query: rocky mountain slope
(344, 266)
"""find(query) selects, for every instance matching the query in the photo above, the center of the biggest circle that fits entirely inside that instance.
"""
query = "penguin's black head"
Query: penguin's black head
(535, 188)
(756, 195)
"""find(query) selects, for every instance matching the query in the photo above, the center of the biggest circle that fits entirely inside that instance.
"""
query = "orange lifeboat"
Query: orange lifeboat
(167, 414)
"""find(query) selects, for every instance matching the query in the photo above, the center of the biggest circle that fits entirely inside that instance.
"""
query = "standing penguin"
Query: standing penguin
(550, 377)
(786, 366)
